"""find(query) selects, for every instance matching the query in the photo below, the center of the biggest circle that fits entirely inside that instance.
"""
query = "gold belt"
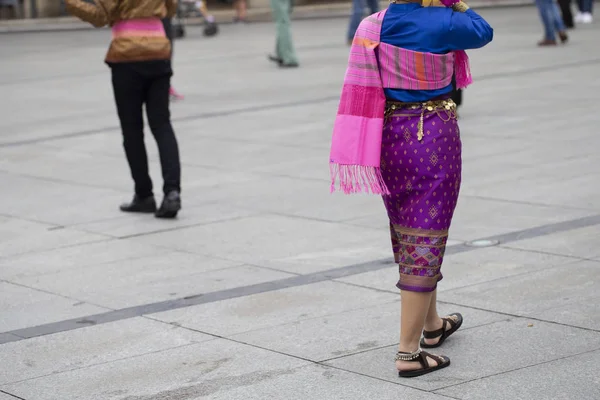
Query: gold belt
(438, 106)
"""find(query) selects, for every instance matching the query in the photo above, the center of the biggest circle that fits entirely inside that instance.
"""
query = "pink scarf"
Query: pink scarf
(357, 133)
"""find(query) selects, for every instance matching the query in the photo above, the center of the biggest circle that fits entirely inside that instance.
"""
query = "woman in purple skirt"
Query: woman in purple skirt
(396, 134)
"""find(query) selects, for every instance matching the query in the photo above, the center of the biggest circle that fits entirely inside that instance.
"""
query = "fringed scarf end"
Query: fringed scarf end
(462, 70)
(357, 178)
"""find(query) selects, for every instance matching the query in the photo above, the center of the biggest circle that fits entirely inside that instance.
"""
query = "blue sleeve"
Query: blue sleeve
(468, 30)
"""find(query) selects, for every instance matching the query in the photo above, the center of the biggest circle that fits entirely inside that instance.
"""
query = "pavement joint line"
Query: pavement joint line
(313, 362)
(12, 395)
(77, 301)
(183, 227)
(548, 253)
(294, 281)
(527, 317)
(394, 382)
(518, 369)
(105, 239)
(192, 117)
(280, 105)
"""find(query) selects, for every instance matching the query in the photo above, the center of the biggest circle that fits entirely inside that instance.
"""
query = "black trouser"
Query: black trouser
(456, 93)
(136, 84)
(567, 15)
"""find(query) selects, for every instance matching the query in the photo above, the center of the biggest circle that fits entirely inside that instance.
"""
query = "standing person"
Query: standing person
(552, 22)
(584, 15)
(140, 60)
(241, 9)
(169, 31)
(358, 9)
(396, 134)
(567, 15)
(285, 54)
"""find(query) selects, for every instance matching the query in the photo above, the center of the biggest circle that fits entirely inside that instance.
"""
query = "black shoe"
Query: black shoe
(139, 205)
(281, 63)
(211, 29)
(275, 59)
(170, 206)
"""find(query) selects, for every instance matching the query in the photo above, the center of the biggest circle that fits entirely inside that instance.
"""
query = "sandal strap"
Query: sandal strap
(450, 320)
(442, 331)
(437, 359)
(436, 333)
(423, 359)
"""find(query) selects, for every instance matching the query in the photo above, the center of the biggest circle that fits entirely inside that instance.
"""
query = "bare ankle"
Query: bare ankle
(433, 324)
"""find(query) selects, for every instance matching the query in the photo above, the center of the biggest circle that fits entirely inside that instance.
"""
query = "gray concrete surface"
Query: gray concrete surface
(267, 286)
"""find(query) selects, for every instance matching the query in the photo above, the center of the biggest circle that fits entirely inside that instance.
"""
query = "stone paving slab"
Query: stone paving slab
(4, 396)
(476, 353)
(19, 236)
(66, 351)
(323, 260)
(570, 378)
(339, 335)
(184, 372)
(274, 308)
(150, 279)
(22, 307)
(64, 203)
(319, 382)
(124, 226)
(238, 239)
(478, 218)
(581, 243)
(569, 286)
(74, 258)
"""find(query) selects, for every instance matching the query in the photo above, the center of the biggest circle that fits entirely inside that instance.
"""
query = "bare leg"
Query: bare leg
(413, 313)
(240, 8)
(433, 322)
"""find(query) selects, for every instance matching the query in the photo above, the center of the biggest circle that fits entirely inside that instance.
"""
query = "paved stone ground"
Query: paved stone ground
(267, 286)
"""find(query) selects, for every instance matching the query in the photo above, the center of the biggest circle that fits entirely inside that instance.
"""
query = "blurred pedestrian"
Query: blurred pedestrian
(567, 14)
(396, 134)
(358, 10)
(140, 60)
(584, 15)
(169, 31)
(285, 54)
(241, 8)
(552, 21)
(199, 8)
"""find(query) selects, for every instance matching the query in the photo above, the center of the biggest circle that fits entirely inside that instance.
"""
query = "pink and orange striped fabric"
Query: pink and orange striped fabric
(148, 27)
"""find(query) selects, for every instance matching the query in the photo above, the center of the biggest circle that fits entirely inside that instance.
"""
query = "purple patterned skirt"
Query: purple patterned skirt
(421, 165)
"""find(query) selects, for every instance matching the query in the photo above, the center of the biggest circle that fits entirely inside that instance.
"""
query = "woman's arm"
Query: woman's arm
(467, 29)
(97, 14)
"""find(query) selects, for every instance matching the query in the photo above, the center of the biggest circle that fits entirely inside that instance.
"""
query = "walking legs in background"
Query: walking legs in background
(241, 11)
(584, 15)
(567, 15)
(285, 54)
(552, 22)
(358, 8)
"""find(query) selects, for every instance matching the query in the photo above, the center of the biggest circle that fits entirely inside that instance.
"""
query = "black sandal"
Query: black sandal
(442, 333)
(421, 357)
